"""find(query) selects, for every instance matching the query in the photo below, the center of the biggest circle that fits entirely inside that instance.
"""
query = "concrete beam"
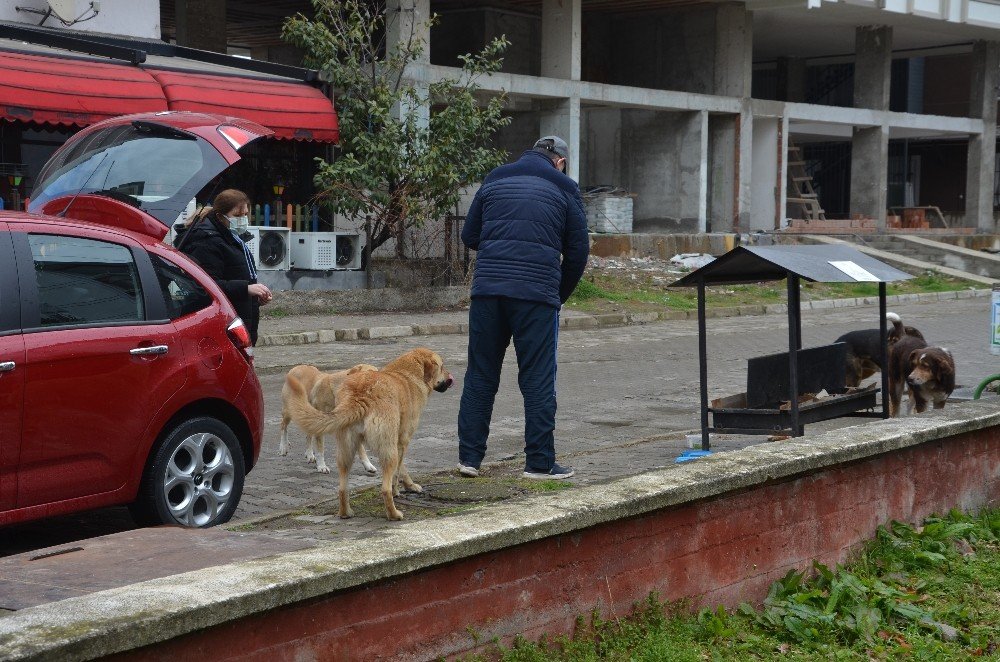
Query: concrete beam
(872, 66)
(981, 160)
(562, 25)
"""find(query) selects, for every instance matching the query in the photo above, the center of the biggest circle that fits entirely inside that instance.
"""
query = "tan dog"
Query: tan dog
(321, 388)
(380, 410)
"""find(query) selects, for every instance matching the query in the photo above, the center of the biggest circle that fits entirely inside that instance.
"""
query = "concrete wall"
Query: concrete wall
(666, 51)
(468, 30)
(662, 163)
(716, 531)
(133, 18)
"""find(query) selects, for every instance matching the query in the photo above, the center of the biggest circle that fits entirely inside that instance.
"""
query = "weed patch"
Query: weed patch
(923, 593)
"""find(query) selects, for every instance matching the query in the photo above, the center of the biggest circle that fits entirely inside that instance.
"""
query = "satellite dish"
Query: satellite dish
(64, 10)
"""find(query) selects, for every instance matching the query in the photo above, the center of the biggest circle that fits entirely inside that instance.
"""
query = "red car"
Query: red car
(126, 376)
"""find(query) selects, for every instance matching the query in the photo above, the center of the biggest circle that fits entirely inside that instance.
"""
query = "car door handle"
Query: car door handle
(155, 350)
(7, 366)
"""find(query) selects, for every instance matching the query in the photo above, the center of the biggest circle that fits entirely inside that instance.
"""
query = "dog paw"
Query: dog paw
(323, 469)
(310, 458)
(413, 487)
(348, 515)
(282, 451)
(371, 470)
(396, 516)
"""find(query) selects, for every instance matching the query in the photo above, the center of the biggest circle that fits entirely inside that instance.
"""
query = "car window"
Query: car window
(182, 293)
(84, 281)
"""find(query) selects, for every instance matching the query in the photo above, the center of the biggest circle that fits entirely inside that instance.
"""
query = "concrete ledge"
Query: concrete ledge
(125, 619)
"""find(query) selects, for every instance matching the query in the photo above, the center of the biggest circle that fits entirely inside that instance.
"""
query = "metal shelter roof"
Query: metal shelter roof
(823, 264)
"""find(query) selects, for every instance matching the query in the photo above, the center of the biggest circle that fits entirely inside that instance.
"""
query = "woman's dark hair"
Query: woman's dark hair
(228, 200)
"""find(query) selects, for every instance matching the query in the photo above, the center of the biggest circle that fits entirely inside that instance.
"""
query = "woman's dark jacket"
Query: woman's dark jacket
(214, 247)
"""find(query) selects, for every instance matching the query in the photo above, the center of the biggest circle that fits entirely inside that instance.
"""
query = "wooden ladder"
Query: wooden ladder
(801, 191)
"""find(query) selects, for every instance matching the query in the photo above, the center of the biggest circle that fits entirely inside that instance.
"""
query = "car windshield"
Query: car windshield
(153, 167)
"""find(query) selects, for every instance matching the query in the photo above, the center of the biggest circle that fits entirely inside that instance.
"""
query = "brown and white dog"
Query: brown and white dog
(931, 378)
(927, 373)
(380, 410)
(321, 389)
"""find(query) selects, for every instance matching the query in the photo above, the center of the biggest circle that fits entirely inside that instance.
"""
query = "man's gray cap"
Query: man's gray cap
(553, 144)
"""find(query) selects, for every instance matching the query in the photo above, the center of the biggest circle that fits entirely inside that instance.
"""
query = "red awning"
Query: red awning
(54, 90)
(291, 110)
(49, 90)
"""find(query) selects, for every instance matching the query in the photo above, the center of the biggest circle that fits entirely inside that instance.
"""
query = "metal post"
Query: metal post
(794, 344)
(884, 349)
(368, 253)
(703, 364)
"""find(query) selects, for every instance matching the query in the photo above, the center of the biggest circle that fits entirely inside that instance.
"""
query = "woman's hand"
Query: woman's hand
(260, 291)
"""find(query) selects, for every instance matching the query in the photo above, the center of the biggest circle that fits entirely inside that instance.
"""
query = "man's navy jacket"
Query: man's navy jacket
(525, 216)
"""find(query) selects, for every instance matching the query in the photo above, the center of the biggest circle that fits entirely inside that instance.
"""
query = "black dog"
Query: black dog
(864, 356)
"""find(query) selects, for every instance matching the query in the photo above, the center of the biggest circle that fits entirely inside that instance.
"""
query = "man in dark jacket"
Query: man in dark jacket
(525, 217)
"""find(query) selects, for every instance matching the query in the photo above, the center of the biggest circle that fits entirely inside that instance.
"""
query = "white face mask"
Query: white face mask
(238, 224)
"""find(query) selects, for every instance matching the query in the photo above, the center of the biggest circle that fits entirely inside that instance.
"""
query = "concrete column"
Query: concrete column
(744, 168)
(733, 51)
(870, 145)
(732, 76)
(407, 23)
(869, 172)
(201, 24)
(561, 28)
(563, 119)
(982, 147)
(764, 187)
(791, 79)
(782, 210)
(872, 66)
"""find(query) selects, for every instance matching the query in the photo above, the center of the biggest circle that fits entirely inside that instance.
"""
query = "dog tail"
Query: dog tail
(313, 421)
(897, 324)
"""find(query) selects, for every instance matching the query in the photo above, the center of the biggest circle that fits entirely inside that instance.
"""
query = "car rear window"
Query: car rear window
(181, 292)
(85, 281)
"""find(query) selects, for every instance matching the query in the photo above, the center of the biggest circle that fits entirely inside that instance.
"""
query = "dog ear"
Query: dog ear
(914, 357)
(430, 370)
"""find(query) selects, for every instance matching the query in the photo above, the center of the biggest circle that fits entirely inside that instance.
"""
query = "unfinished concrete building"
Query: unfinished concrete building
(722, 116)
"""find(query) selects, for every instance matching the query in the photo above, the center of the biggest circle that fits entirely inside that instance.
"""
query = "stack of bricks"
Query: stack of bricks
(832, 226)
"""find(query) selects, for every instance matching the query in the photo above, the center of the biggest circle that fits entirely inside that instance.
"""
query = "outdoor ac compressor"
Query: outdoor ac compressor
(325, 251)
(269, 246)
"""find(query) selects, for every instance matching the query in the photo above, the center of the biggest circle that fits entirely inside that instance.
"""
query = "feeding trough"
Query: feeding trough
(782, 395)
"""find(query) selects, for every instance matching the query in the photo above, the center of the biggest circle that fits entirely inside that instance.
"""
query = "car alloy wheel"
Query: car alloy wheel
(195, 476)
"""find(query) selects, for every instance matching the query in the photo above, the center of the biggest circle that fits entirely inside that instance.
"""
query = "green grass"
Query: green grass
(600, 292)
(925, 593)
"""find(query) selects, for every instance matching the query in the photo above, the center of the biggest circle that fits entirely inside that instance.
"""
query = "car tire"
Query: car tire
(194, 477)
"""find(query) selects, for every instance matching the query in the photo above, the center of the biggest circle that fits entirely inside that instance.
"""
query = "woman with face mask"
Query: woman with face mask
(212, 238)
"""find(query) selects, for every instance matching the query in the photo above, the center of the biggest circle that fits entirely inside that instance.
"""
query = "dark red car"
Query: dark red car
(126, 376)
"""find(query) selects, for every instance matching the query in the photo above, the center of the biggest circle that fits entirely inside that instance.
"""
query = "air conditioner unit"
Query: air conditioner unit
(269, 246)
(324, 251)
